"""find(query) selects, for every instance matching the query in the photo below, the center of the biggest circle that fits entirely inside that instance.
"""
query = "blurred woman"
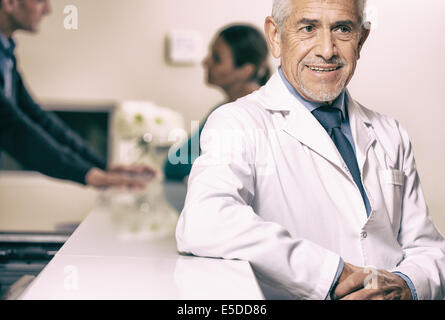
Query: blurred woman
(237, 63)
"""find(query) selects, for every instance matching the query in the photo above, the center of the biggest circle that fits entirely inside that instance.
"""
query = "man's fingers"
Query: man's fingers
(363, 294)
(134, 170)
(137, 168)
(353, 283)
(121, 180)
(101, 179)
(357, 295)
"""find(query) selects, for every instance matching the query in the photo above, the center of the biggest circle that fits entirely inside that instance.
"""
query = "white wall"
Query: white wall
(117, 53)
(118, 50)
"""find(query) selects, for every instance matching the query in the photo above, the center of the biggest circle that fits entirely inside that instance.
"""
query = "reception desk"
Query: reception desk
(98, 263)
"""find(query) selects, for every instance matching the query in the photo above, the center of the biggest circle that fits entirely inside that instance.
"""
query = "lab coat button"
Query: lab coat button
(364, 235)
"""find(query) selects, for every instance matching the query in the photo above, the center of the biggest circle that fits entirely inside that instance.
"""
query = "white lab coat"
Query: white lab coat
(272, 189)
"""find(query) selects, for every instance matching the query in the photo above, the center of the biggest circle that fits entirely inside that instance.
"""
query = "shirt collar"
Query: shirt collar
(7, 45)
(339, 102)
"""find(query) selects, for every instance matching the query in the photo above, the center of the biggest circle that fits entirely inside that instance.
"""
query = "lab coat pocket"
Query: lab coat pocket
(392, 182)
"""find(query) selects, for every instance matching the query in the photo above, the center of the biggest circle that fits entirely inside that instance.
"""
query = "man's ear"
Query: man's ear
(363, 36)
(273, 36)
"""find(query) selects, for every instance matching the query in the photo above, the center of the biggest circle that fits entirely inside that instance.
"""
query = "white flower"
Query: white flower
(136, 119)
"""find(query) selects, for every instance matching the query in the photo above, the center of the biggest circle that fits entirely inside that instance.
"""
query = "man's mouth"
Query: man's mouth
(324, 68)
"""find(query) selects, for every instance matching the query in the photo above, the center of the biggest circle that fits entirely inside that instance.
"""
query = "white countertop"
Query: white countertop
(98, 263)
(32, 202)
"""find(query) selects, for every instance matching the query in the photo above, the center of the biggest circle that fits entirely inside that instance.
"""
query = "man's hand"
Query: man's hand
(99, 179)
(357, 283)
(136, 170)
(351, 274)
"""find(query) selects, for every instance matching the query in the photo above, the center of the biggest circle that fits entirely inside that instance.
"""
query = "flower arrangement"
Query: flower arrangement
(144, 132)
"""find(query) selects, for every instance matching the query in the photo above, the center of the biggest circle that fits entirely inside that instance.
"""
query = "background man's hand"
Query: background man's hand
(136, 170)
(100, 179)
(357, 283)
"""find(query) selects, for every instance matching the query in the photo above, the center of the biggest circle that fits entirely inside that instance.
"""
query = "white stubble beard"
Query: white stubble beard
(323, 95)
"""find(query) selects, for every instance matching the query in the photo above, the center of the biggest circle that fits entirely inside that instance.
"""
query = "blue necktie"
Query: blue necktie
(330, 118)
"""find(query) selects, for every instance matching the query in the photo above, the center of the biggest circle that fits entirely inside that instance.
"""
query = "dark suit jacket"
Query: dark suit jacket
(40, 141)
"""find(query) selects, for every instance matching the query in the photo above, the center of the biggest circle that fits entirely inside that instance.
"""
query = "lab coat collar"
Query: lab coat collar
(362, 131)
(303, 126)
(276, 97)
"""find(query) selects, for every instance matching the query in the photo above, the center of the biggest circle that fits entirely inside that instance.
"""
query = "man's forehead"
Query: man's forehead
(314, 8)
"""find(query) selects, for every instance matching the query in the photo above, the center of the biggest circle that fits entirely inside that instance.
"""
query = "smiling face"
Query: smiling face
(319, 45)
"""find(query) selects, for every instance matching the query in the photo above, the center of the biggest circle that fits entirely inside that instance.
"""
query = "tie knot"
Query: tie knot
(329, 117)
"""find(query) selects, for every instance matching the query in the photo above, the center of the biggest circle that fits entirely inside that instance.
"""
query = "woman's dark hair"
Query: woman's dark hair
(248, 46)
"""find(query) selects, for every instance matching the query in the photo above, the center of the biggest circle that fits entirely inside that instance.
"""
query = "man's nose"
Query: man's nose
(326, 46)
(48, 8)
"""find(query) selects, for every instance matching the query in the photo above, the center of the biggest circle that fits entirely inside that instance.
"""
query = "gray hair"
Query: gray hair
(283, 8)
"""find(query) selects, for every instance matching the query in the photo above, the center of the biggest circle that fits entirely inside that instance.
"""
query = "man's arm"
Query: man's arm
(218, 219)
(55, 127)
(35, 149)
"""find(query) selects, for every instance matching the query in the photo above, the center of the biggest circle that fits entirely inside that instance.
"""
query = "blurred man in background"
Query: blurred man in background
(34, 137)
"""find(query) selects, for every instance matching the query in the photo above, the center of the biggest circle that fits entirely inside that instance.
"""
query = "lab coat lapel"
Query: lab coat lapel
(362, 131)
(299, 122)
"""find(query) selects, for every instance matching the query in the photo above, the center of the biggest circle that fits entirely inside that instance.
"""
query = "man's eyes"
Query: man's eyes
(339, 29)
(307, 29)
(343, 29)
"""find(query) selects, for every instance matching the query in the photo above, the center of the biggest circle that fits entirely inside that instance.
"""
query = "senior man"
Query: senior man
(320, 194)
